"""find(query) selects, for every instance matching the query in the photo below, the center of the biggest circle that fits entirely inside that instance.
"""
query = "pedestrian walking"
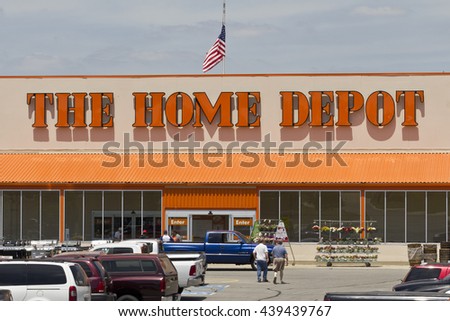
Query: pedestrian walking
(261, 256)
(176, 237)
(118, 234)
(166, 237)
(280, 260)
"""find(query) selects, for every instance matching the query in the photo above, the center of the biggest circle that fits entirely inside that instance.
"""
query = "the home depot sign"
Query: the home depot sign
(180, 109)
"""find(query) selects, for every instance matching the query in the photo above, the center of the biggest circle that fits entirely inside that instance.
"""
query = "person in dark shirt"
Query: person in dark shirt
(280, 260)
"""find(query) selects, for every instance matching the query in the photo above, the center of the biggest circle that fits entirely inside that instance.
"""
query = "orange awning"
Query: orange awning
(255, 169)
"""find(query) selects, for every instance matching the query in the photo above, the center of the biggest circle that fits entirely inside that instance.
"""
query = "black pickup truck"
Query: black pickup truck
(387, 296)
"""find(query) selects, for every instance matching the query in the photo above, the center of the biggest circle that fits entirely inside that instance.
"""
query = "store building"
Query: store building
(81, 157)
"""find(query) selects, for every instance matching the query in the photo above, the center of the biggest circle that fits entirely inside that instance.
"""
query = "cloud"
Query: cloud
(379, 11)
(172, 36)
(36, 63)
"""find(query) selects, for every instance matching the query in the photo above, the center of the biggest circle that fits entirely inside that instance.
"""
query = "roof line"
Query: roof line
(340, 74)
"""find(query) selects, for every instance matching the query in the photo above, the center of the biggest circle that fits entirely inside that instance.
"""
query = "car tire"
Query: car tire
(127, 297)
(253, 264)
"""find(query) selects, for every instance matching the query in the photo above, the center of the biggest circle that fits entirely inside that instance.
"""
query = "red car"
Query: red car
(427, 271)
(142, 277)
(101, 284)
(434, 277)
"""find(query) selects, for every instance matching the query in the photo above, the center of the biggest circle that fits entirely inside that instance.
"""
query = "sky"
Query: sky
(160, 37)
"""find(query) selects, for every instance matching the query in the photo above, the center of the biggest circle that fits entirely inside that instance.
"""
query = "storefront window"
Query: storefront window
(398, 216)
(269, 205)
(132, 212)
(103, 214)
(93, 218)
(73, 216)
(436, 220)
(50, 215)
(34, 215)
(350, 211)
(309, 211)
(152, 208)
(375, 214)
(11, 215)
(329, 204)
(39, 211)
(290, 214)
(395, 216)
(112, 203)
(31, 215)
(415, 217)
(350, 207)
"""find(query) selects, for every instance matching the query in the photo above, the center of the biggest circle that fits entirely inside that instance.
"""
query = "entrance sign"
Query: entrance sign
(178, 221)
(243, 221)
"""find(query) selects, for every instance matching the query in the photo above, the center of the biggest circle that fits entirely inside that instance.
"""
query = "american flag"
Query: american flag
(216, 53)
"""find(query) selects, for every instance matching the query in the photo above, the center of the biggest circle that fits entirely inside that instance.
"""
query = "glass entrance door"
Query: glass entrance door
(203, 223)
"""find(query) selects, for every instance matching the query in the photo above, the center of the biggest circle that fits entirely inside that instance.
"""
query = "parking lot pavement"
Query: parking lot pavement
(203, 291)
(304, 282)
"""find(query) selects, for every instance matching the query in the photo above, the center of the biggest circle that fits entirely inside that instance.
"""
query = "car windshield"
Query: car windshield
(423, 273)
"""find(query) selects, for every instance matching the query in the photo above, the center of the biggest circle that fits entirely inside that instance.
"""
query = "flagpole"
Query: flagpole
(223, 24)
(217, 52)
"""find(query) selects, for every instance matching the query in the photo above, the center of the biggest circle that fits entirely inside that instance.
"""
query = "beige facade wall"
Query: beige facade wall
(431, 133)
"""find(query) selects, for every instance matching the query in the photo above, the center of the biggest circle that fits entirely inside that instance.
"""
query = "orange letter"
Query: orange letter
(318, 109)
(344, 108)
(372, 108)
(64, 109)
(98, 109)
(39, 108)
(140, 108)
(410, 105)
(186, 107)
(244, 108)
(79, 109)
(204, 104)
(287, 106)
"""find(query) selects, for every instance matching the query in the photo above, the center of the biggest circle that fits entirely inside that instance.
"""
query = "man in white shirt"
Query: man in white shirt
(261, 256)
(165, 237)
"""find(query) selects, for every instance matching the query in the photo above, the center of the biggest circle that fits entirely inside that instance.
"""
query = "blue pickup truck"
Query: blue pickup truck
(224, 247)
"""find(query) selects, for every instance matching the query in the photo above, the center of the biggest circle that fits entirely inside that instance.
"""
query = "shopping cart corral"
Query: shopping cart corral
(19, 249)
(70, 246)
(43, 248)
(36, 249)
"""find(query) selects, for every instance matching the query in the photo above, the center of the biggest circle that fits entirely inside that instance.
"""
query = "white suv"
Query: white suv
(45, 281)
